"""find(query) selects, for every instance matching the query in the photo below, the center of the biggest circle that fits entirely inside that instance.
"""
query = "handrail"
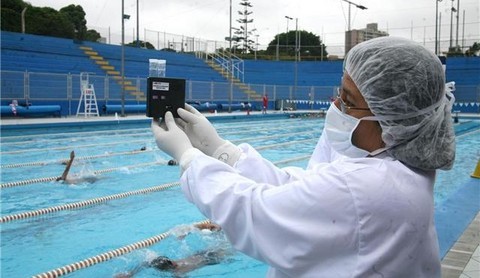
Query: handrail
(229, 62)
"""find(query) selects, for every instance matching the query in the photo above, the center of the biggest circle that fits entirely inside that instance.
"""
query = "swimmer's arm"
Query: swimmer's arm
(67, 168)
(201, 226)
(208, 226)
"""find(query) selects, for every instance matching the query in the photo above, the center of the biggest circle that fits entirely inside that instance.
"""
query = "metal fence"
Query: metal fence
(64, 89)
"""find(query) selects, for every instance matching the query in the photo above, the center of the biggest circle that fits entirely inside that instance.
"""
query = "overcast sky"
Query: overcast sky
(209, 19)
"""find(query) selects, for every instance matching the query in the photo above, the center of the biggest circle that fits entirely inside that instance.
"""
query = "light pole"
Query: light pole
(348, 36)
(138, 27)
(256, 45)
(230, 31)
(286, 42)
(356, 5)
(124, 16)
(458, 22)
(230, 95)
(278, 47)
(436, 26)
(23, 19)
(122, 112)
(451, 25)
(297, 55)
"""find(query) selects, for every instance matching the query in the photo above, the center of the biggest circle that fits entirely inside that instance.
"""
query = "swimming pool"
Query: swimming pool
(128, 203)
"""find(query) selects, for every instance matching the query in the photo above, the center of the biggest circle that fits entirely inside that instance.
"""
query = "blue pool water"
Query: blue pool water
(42, 243)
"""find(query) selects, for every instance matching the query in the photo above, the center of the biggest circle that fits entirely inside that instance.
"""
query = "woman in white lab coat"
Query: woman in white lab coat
(364, 205)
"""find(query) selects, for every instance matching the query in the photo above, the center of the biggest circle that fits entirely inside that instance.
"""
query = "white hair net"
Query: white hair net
(403, 84)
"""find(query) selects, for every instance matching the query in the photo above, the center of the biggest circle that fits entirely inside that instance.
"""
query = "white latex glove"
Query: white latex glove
(199, 130)
(204, 137)
(170, 138)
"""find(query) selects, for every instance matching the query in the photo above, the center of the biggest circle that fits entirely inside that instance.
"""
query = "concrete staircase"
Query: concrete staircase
(114, 73)
(231, 67)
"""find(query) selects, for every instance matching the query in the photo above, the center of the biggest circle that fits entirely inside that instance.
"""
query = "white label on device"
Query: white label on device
(161, 86)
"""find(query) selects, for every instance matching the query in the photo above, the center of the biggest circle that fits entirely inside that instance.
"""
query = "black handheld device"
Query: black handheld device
(164, 94)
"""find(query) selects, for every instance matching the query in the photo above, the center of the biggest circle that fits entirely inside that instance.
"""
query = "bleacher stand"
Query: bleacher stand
(48, 60)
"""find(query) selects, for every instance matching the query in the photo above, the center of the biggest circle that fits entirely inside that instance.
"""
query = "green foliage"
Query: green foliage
(310, 45)
(16, 5)
(68, 23)
(11, 15)
(11, 20)
(142, 44)
(473, 50)
(76, 15)
(92, 35)
(48, 22)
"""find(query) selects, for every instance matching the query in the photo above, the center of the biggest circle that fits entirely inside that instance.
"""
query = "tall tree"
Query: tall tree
(310, 45)
(92, 35)
(69, 22)
(11, 15)
(244, 32)
(48, 22)
(76, 15)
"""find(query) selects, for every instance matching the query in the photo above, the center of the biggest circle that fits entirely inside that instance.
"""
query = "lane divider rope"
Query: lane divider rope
(75, 139)
(84, 203)
(104, 199)
(70, 147)
(48, 179)
(286, 161)
(108, 132)
(133, 141)
(63, 135)
(106, 256)
(258, 148)
(283, 135)
(43, 163)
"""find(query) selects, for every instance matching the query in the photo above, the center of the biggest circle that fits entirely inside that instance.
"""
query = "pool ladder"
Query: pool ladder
(87, 98)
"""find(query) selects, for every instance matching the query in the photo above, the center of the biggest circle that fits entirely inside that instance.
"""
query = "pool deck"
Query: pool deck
(462, 259)
(128, 118)
(116, 119)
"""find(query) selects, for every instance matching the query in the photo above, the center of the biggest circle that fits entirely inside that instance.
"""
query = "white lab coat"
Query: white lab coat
(342, 217)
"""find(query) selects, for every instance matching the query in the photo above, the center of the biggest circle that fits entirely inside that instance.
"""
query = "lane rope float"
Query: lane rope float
(90, 202)
(91, 157)
(137, 141)
(84, 203)
(48, 179)
(73, 139)
(70, 147)
(107, 255)
(48, 136)
(258, 148)
(300, 158)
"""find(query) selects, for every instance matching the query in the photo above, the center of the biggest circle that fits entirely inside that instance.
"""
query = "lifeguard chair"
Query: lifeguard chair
(87, 105)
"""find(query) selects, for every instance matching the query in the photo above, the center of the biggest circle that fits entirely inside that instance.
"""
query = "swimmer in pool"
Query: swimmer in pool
(181, 266)
(185, 265)
(91, 178)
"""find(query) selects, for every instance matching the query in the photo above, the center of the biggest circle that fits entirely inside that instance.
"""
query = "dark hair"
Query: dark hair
(162, 263)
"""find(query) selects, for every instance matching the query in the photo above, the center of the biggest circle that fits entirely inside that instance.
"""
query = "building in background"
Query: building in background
(354, 37)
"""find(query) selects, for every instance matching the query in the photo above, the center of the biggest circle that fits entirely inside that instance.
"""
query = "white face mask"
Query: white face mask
(339, 128)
